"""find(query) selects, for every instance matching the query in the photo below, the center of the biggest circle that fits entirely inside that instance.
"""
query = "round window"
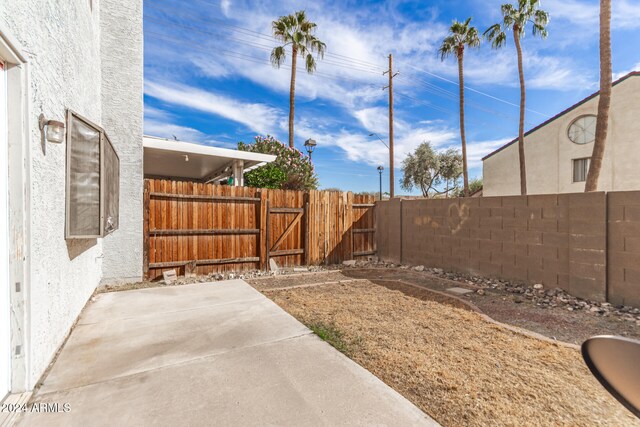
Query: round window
(583, 129)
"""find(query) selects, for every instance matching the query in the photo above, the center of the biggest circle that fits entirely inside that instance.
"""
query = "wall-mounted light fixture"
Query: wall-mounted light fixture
(54, 131)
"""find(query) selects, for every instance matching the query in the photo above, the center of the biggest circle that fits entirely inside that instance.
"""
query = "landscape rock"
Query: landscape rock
(419, 268)
(170, 277)
(349, 263)
(538, 286)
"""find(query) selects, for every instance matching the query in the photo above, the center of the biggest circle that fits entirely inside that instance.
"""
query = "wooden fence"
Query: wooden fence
(222, 228)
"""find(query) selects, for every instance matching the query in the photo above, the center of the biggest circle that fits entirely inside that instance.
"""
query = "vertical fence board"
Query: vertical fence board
(145, 230)
(227, 228)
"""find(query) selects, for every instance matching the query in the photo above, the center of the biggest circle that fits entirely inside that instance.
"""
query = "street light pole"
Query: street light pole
(310, 145)
(380, 169)
(378, 136)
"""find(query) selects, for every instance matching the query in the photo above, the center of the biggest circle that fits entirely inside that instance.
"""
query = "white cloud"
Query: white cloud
(351, 83)
(170, 130)
(373, 119)
(155, 113)
(161, 124)
(360, 147)
(476, 150)
(225, 6)
(355, 85)
(211, 67)
(255, 116)
(636, 67)
(556, 73)
(625, 14)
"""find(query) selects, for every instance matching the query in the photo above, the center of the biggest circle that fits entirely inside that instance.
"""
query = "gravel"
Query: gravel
(537, 293)
(216, 277)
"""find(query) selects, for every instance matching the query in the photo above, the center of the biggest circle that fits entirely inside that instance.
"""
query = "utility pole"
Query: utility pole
(390, 87)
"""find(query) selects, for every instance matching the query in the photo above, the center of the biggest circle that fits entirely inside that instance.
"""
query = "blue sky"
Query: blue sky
(208, 78)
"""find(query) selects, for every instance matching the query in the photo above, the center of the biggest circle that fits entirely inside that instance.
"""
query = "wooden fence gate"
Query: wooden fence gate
(223, 228)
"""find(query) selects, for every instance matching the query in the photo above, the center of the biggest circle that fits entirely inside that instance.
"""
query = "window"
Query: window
(93, 180)
(583, 129)
(580, 169)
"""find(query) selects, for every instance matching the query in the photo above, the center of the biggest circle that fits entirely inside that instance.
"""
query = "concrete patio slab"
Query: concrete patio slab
(205, 354)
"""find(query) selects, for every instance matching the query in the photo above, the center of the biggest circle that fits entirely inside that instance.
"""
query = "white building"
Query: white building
(557, 151)
(78, 62)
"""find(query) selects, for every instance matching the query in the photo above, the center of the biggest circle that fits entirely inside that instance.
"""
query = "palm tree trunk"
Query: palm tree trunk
(604, 100)
(523, 95)
(465, 172)
(292, 93)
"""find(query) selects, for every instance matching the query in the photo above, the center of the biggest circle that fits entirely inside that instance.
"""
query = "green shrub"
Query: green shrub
(291, 170)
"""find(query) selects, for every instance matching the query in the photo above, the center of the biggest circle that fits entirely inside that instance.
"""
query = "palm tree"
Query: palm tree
(296, 31)
(515, 18)
(461, 35)
(604, 100)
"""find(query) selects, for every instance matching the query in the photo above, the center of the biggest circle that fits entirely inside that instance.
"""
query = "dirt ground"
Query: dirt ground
(444, 357)
(553, 322)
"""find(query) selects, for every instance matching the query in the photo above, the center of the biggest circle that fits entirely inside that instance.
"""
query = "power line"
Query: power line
(354, 66)
(443, 93)
(238, 55)
(241, 56)
(474, 90)
(426, 103)
(249, 32)
(270, 36)
(248, 43)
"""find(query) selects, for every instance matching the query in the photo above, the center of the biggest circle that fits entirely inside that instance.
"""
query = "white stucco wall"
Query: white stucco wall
(122, 116)
(64, 43)
(549, 151)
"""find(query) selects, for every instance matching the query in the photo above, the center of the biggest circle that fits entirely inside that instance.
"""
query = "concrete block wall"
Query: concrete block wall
(557, 240)
(388, 230)
(623, 239)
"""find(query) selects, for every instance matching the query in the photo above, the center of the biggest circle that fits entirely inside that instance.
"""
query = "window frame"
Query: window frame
(582, 116)
(103, 140)
(573, 169)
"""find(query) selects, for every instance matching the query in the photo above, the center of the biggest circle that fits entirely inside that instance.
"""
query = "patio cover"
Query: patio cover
(176, 159)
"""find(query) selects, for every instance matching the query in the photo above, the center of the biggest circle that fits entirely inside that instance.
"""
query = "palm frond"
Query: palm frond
(472, 38)
(310, 63)
(457, 28)
(541, 17)
(296, 30)
(278, 55)
(301, 17)
(539, 30)
(461, 35)
(496, 36)
(507, 10)
(447, 48)
(317, 46)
